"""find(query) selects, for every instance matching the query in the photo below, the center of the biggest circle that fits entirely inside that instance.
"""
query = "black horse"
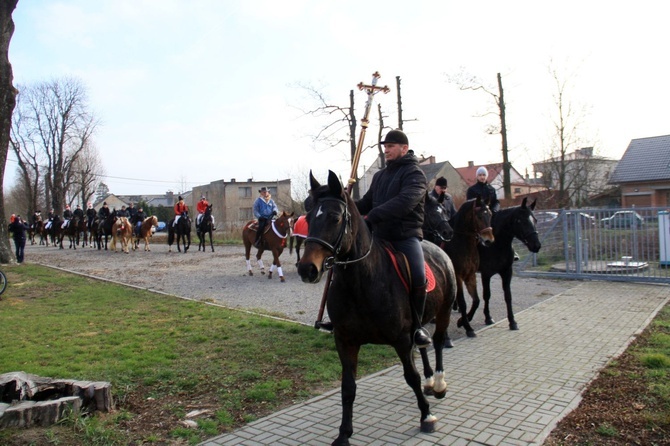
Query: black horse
(367, 300)
(472, 226)
(182, 232)
(72, 233)
(53, 233)
(436, 227)
(105, 229)
(498, 258)
(205, 227)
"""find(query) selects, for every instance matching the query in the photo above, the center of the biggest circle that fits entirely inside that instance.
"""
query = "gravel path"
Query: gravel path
(220, 277)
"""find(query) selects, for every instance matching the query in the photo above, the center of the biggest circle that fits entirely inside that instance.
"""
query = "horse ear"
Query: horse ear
(312, 181)
(334, 183)
(524, 202)
(532, 205)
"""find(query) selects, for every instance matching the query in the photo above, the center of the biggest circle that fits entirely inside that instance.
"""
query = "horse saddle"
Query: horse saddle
(254, 226)
(401, 266)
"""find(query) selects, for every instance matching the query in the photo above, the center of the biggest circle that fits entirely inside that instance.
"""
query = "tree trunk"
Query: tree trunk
(507, 184)
(7, 104)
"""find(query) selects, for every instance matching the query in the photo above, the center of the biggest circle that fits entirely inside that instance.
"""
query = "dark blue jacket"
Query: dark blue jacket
(18, 229)
(394, 202)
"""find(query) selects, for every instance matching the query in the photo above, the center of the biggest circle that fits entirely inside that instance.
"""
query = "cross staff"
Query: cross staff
(371, 90)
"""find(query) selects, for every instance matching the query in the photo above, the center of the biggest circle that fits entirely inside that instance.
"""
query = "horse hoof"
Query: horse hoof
(459, 323)
(251, 273)
(262, 273)
(428, 391)
(428, 425)
(448, 343)
(440, 395)
(282, 279)
(513, 326)
(489, 321)
(471, 334)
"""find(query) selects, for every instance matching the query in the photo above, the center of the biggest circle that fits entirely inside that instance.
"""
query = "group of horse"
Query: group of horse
(95, 235)
(367, 298)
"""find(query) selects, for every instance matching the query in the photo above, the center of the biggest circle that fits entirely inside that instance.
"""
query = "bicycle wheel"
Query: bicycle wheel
(3, 282)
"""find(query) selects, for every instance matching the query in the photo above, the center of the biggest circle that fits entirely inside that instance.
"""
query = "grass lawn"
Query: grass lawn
(164, 356)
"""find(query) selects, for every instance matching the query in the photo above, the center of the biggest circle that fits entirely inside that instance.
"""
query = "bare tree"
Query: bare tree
(569, 169)
(469, 82)
(86, 172)
(7, 103)
(58, 121)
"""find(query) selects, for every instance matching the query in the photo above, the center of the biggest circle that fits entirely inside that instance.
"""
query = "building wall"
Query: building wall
(645, 194)
(232, 201)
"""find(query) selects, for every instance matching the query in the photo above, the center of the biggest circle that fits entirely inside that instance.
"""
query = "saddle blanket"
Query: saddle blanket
(300, 228)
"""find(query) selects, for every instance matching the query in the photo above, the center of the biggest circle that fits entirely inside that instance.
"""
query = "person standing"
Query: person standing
(393, 206)
(264, 209)
(18, 229)
(179, 209)
(484, 190)
(447, 204)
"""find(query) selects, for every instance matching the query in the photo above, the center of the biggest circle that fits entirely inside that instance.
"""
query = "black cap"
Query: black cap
(395, 137)
(263, 189)
(441, 182)
(180, 198)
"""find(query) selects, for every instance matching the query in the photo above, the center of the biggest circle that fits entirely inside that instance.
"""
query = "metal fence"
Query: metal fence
(604, 244)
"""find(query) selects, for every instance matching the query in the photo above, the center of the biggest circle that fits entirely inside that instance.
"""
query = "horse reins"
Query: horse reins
(335, 248)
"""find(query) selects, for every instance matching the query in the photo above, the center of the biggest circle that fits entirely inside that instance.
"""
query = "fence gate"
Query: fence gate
(603, 244)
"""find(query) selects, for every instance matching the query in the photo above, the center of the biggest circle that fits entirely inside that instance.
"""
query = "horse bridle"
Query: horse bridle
(524, 237)
(335, 248)
(434, 231)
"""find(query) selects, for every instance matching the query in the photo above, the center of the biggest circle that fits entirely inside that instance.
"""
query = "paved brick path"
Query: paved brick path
(505, 387)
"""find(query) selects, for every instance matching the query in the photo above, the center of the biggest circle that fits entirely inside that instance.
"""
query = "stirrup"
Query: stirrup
(325, 326)
(421, 338)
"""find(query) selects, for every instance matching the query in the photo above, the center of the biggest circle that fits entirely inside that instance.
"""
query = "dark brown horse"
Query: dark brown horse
(181, 231)
(367, 300)
(472, 226)
(105, 229)
(72, 231)
(498, 258)
(35, 229)
(273, 239)
(205, 227)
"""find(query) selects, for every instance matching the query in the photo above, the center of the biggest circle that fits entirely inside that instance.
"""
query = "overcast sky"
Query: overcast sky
(190, 92)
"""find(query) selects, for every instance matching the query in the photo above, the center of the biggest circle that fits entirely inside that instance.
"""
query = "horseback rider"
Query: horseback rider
(447, 203)
(487, 193)
(200, 208)
(179, 209)
(484, 190)
(50, 219)
(90, 215)
(264, 209)
(137, 219)
(37, 216)
(132, 210)
(123, 212)
(104, 212)
(393, 207)
(67, 216)
(78, 212)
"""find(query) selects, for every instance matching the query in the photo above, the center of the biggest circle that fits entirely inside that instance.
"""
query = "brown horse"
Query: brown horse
(36, 228)
(472, 226)
(122, 230)
(273, 238)
(145, 232)
(93, 232)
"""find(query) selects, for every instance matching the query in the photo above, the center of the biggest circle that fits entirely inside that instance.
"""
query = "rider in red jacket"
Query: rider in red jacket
(179, 209)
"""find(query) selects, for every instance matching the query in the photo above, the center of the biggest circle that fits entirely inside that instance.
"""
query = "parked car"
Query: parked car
(623, 219)
(545, 218)
(161, 226)
(585, 220)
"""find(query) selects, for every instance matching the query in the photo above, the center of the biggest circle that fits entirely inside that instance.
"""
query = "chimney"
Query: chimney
(471, 164)
(232, 180)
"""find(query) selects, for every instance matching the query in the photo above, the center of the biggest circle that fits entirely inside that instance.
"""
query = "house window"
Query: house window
(246, 213)
(517, 190)
(244, 192)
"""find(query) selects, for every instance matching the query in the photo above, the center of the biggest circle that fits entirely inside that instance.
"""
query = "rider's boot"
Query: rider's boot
(417, 300)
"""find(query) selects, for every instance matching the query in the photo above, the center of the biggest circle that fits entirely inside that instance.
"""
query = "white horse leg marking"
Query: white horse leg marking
(440, 383)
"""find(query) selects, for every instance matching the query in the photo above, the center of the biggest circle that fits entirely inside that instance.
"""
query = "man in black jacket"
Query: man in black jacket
(393, 206)
(447, 204)
(484, 190)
